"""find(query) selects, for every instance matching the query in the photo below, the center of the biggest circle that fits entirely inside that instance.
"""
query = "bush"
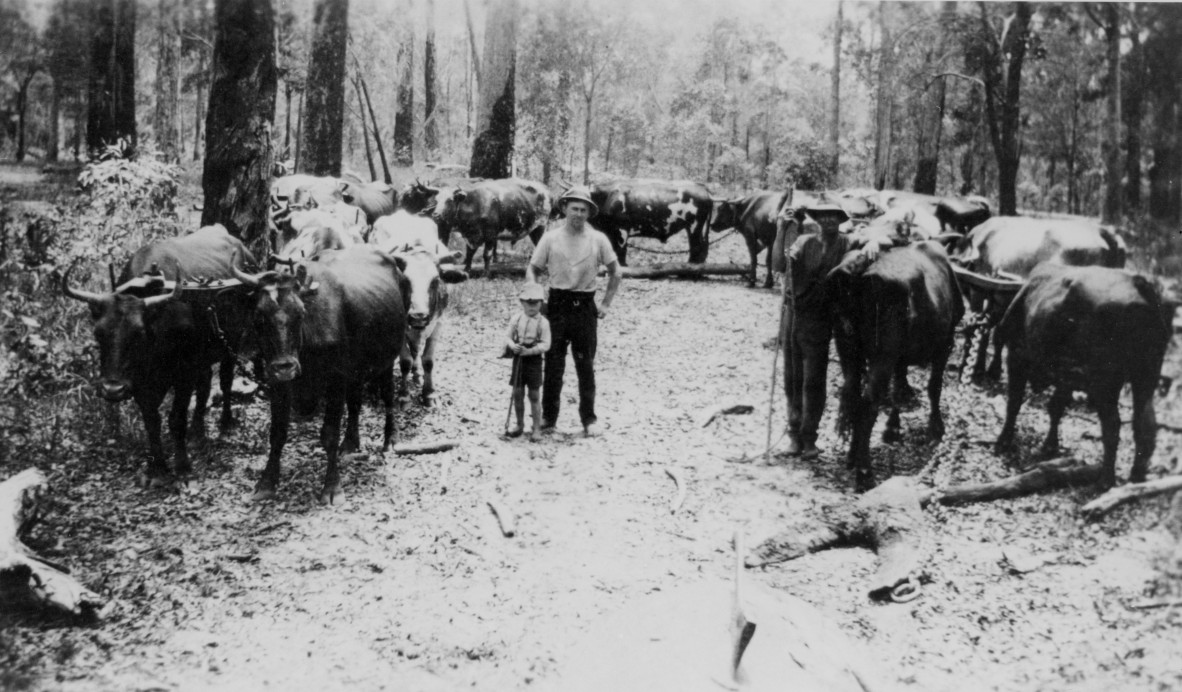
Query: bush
(115, 181)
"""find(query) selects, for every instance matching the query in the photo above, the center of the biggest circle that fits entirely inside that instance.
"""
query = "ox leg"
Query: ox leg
(268, 483)
(429, 367)
(469, 254)
(993, 374)
(1106, 401)
(226, 383)
(877, 388)
(352, 443)
(894, 428)
(935, 389)
(201, 401)
(699, 246)
(178, 421)
(386, 392)
(406, 361)
(1144, 427)
(1015, 390)
(770, 281)
(753, 251)
(334, 404)
(156, 473)
(490, 248)
(1055, 409)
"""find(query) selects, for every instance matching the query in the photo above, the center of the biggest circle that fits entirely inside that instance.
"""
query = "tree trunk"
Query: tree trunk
(1133, 110)
(834, 104)
(1003, 80)
(885, 102)
(373, 120)
(167, 81)
(1163, 63)
(474, 54)
(927, 162)
(373, 173)
(287, 90)
(492, 151)
(52, 152)
(199, 116)
(111, 89)
(237, 176)
(405, 116)
(22, 106)
(430, 130)
(324, 109)
(1112, 139)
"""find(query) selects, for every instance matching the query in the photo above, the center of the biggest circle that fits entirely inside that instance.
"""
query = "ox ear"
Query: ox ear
(400, 261)
(451, 275)
(306, 287)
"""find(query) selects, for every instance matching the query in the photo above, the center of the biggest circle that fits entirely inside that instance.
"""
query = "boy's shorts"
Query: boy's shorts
(529, 372)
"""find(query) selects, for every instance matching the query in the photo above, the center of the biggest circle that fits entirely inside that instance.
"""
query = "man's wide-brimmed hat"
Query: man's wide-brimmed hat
(532, 291)
(581, 194)
(820, 211)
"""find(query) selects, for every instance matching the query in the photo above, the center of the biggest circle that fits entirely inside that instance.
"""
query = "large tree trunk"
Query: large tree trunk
(1003, 81)
(430, 129)
(927, 164)
(373, 173)
(324, 109)
(492, 151)
(55, 125)
(885, 102)
(1132, 111)
(404, 118)
(167, 81)
(111, 114)
(834, 106)
(237, 175)
(1112, 139)
(22, 106)
(1162, 63)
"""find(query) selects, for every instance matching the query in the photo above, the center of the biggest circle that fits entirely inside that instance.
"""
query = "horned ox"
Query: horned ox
(754, 217)
(653, 209)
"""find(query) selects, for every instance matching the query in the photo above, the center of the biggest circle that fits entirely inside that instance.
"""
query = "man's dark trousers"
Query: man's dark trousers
(574, 323)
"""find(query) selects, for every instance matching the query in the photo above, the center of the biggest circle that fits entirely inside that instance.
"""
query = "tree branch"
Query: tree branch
(976, 80)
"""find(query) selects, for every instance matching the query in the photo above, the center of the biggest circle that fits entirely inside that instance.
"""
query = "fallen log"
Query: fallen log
(26, 578)
(412, 448)
(1063, 472)
(725, 410)
(1127, 493)
(682, 270)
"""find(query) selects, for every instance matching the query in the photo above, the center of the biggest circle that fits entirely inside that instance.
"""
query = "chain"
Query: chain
(678, 252)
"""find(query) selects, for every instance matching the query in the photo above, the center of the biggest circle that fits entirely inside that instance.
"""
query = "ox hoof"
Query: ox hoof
(331, 495)
(864, 481)
(264, 490)
(892, 435)
(936, 432)
(148, 479)
(426, 401)
(228, 423)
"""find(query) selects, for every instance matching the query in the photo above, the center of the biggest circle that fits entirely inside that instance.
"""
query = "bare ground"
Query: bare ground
(410, 584)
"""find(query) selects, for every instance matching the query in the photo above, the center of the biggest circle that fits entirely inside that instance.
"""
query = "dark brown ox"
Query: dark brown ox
(899, 311)
(150, 344)
(1012, 246)
(754, 217)
(1089, 329)
(486, 209)
(653, 209)
(324, 332)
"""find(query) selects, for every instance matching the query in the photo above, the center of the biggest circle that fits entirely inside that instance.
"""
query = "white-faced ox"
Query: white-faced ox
(150, 344)
(653, 209)
(324, 332)
(306, 233)
(1013, 246)
(1090, 329)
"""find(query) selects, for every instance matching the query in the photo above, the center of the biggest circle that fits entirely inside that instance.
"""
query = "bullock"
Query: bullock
(899, 311)
(150, 344)
(1012, 245)
(653, 209)
(324, 332)
(482, 212)
(307, 233)
(1089, 329)
(426, 298)
(402, 230)
(962, 214)
(375, 199)
(754, 217)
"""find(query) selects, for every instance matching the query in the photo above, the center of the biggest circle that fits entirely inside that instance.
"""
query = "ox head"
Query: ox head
(278, 316)
(726, 214)
(416, 197)
(123, 326)
(423, 274)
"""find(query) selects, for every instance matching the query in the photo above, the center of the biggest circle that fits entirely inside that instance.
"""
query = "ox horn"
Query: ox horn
(87, 296)
(161, 300)
(246, 279)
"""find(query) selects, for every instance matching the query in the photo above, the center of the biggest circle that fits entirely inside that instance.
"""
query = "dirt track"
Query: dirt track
(408, 587)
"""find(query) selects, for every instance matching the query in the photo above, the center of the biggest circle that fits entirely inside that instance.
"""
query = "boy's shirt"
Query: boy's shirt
(524, 329)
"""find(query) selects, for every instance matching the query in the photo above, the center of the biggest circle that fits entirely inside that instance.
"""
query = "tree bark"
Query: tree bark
(885, 102)
(931, 125)
(834, 104)
(492, 151)
(167, 81)
(1163, 63)
(55, 125)
(430, 129)
(1132, 111)
(1003, 81)
(237, 176)
(199, 116)
(373, 173)
(405, 116)
(324, 109)
(111, 90)
(373, 121)
(1113, 209)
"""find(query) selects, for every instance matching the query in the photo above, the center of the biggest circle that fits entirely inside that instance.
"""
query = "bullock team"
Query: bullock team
(357, 273)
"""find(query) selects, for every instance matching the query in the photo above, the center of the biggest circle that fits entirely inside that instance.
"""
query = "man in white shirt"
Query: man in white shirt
(571, 254)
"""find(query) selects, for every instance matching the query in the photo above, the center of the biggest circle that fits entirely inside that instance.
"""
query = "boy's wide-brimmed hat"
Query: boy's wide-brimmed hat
(532, 291)
(581, 194)
(827, 211)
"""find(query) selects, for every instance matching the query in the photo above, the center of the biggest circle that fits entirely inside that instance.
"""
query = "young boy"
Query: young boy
(529, 338)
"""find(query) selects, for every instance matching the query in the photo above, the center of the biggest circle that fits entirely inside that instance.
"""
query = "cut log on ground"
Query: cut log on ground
(26, 578)
(887, 519)
(708, 417)
(1127, 493)
(649, 271)
(412, 448)
(1064, 472)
